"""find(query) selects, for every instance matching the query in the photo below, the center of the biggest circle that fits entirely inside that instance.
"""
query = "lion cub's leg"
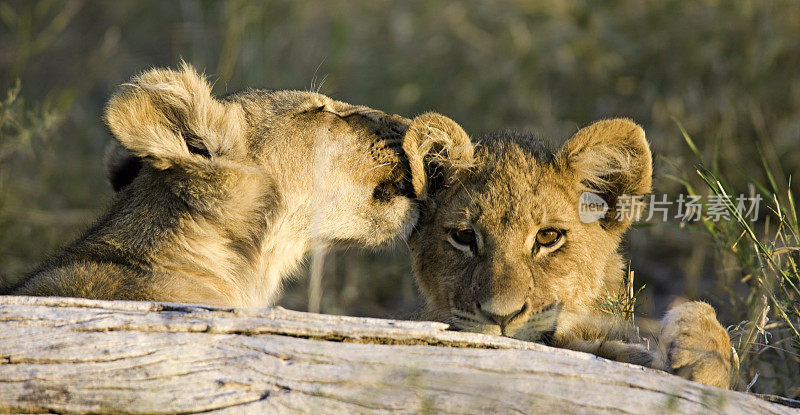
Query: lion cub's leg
(609, 338)
(692, 344)
(616, 350)
(696, 347)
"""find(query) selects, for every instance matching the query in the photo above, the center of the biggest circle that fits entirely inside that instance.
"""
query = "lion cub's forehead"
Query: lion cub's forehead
(517, 186)
(278, 102)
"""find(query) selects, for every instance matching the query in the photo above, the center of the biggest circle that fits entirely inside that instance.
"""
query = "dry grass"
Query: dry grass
(622, 304)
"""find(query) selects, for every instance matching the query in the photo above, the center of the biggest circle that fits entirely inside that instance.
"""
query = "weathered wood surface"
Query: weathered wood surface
(77, 356)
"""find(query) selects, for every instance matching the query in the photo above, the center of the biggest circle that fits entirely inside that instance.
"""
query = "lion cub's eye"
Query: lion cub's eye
(314, 110)
(463, 237)
(548, 237)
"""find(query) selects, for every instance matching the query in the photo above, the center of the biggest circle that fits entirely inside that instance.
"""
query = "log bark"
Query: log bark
(69, 355)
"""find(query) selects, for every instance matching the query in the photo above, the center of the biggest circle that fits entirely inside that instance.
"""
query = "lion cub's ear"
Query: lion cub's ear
(121, 166)
(169, 116)
(437, 149)
(612, 159)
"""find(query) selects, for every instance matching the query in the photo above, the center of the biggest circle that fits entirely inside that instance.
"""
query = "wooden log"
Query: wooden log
(69, 355)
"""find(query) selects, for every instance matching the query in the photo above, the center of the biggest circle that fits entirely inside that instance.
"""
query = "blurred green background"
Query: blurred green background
(728, 71)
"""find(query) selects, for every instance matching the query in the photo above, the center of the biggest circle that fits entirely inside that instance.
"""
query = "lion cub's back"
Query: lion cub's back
(83, 279)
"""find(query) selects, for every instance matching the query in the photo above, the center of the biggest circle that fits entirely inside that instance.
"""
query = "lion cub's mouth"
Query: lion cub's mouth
(537, 326)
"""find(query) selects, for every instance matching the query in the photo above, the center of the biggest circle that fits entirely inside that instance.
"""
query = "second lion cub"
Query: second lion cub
(225, 196)
(501, 247)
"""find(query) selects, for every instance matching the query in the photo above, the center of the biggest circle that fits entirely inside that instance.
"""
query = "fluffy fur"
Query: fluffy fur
(500, 249)
(220, 199)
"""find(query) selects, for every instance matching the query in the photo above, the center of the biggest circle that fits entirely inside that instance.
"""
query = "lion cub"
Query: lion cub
(501, 248)
(224, 197)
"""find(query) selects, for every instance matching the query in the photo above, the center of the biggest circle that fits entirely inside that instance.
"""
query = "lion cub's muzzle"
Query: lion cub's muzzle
(386, 148)
(387, 127)
(530, 322)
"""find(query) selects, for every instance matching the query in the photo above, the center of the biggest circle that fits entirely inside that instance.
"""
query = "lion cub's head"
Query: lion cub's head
(502, 246)
(336, 168)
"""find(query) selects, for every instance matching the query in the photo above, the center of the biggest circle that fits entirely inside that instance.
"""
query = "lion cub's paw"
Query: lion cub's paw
(696, 347)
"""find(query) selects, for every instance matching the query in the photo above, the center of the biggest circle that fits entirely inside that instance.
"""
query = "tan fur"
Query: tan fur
(697, 346)
(436, 147)
(479, 266)
(222, 198)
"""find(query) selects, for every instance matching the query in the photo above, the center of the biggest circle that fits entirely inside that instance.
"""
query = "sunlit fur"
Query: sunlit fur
(503, 283)
(226, 196)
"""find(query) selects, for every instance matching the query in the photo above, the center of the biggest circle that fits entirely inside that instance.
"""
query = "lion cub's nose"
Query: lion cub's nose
(501, 311)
